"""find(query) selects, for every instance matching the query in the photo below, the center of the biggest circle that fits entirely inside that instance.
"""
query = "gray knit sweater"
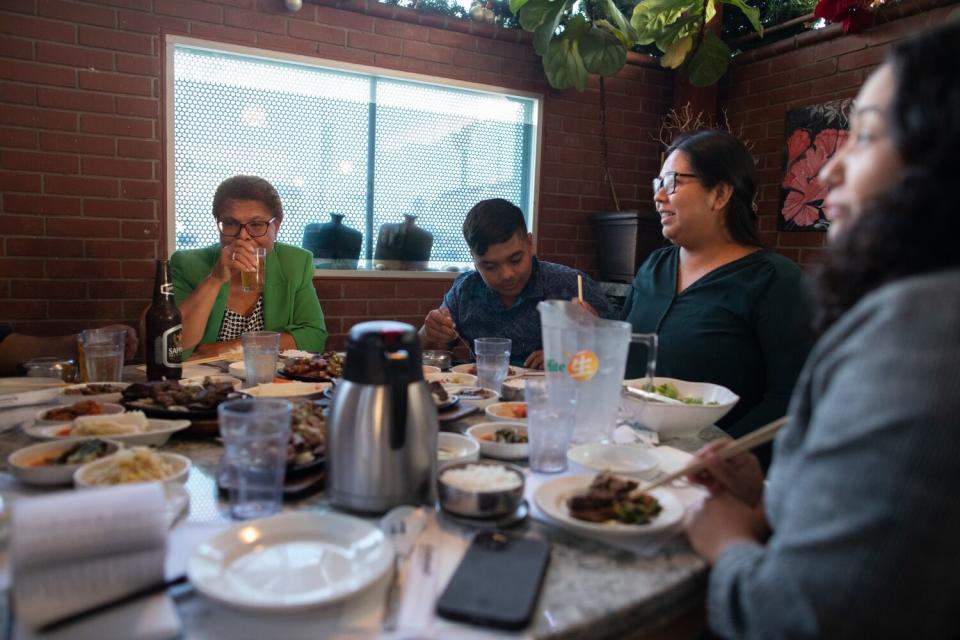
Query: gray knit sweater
(864, 491)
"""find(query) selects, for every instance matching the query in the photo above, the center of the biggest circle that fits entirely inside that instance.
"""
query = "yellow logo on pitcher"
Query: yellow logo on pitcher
(583, 366)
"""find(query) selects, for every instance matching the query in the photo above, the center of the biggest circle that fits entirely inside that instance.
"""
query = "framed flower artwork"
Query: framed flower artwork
(813, 136)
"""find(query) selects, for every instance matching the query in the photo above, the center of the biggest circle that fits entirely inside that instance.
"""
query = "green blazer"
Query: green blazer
(290, 302)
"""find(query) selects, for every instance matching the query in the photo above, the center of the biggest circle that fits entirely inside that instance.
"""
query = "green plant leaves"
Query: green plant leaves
(543, 18)
(619, 26)
(516, 5)
(676, 53)
(710, 61)
(602, 53)
(564, 66)
(752, 13)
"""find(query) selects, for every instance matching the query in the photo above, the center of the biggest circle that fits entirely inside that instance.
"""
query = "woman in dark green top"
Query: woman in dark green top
(726, 311)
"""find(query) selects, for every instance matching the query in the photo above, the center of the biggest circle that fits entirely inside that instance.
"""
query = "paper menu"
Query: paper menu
(74, 550)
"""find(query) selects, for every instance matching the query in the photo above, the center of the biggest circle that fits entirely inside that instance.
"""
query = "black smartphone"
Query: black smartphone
(497, 582)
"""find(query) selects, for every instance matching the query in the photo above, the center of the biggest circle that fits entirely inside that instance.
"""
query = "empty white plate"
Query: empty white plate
(622, 459)
(290, 561)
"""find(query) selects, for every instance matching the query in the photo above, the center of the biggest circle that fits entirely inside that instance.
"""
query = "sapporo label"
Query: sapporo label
(166, 289)
(168, 349)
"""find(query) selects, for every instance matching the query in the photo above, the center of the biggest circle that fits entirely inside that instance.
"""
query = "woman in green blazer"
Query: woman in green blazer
(215, 308)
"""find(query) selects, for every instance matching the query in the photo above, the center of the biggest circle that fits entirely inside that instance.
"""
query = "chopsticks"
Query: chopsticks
(100, 608)
(580, 288)
(750, 441)
(229, 356)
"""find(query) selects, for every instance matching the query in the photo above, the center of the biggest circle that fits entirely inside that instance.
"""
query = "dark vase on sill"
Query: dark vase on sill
(333, 243)
(403, 243)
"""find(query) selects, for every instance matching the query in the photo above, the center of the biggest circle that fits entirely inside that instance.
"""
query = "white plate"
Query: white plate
(621, 459)
(500, 450)
(109, 409)
(292, 561)
(238, 370)
(451, 378)
(66, 398)
(503, 411)
(214, 378)
(180, 465)
(470, 368)
(158, 432)
(552, 497)
(459, 448)
(48, 474)
(288, 389)
(474, 400)
(24, 391)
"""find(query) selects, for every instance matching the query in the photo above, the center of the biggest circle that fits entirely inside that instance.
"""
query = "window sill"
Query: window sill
(389, 269)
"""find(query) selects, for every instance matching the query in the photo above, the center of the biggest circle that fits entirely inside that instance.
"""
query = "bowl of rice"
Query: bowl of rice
(137, 464)
(480, 489)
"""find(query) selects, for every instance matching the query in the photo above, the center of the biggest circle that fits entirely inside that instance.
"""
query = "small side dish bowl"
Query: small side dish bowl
(480, 489)
(109, 409)
(452, 448)
(507, 411)
(440, 359)
(621, 459)
(451, 377)
(485, 434)
(37, 464)
(85, 476)
(474, 395)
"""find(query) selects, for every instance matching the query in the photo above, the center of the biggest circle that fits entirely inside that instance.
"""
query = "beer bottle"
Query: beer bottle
(164, 327)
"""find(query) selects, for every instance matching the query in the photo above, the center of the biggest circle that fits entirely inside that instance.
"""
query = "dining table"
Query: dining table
(593, 588)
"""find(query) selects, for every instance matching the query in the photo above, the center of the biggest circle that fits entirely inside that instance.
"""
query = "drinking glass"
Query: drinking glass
(260, 349)
(550, 422)
(255, 434)
(253, 280)
(103, 354)
(493, 362)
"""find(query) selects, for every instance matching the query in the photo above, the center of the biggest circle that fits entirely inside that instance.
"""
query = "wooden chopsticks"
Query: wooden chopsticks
(228, 356)
(750, 441)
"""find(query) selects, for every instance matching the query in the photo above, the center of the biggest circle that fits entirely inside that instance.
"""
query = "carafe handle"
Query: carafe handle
(651, 341)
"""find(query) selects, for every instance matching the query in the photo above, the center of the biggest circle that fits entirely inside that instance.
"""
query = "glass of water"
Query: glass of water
(550, 422)
(493, 362)
(103, 354)
(255, 435)
(260, 350)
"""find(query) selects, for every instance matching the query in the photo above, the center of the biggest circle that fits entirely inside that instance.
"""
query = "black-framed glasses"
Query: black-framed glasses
(668, 182)
(255, 228)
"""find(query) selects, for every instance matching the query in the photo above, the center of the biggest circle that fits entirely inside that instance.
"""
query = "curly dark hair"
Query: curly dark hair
(913, 227)
(717, 156)
(247, 188)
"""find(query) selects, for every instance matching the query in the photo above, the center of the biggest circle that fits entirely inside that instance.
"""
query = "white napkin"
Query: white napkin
(76, 550)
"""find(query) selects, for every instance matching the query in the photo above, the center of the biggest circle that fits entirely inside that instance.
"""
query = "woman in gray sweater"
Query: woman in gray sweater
(855, 534)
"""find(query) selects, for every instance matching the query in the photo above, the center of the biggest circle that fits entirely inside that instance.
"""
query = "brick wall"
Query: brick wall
(81, 132)
(811, 68)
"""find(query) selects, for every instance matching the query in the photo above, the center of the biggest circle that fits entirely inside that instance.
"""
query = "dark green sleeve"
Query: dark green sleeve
(308, 327)
(783, 329)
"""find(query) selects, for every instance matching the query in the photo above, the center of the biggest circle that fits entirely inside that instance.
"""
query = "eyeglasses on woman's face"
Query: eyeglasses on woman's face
(668, 182)
(255, 228)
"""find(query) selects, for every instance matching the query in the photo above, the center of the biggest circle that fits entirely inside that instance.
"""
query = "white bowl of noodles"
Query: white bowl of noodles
(137, 464)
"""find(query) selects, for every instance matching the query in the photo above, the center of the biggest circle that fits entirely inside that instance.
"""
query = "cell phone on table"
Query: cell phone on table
(497, 582)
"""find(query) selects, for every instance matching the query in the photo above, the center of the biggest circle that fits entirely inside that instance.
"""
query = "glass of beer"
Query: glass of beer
(253, 280)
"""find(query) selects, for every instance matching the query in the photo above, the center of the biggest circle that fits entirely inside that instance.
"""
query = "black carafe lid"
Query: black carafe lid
(376, 350)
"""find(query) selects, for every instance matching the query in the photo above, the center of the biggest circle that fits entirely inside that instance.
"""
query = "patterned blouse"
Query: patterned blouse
(234, 324)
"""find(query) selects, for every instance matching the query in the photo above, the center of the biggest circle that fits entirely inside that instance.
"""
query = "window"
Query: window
(369, 146)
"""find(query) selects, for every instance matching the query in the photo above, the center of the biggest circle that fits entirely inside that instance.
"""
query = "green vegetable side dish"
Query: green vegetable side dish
(670, 391)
